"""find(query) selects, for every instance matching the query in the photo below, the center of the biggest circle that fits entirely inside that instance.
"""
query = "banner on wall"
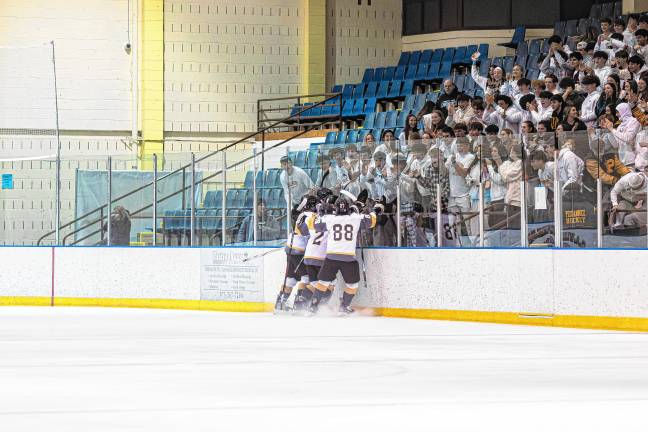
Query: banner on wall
(224, 276)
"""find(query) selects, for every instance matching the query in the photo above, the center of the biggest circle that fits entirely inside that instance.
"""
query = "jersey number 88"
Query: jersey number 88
(340, 231)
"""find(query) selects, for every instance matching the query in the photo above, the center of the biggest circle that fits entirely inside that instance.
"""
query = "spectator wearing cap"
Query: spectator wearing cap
(629, 193)
(294, 181)
(625, 134)
(588, 109)
(504, 115)
(582, 48)
(524, 89)
(461, 113)
(640, 48)
(636, 66)
(601, 69)
(556, 57)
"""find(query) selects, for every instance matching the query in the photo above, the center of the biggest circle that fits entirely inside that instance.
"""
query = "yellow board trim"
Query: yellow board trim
(569, 321)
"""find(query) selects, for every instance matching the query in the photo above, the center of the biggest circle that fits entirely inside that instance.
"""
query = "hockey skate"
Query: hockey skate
(280, 305)
(345, 311)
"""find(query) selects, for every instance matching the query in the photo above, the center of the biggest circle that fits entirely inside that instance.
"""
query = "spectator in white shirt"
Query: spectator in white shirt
(524, 89)
(461, 113)
(588, 109)
(601, 69)
(505, 115)
(551, 83)
(542, 111)
(625, 133)
(629, 193)
(510, 88)
(628, 34)
(458, 165)
(294, 180)
(636, 65)
(570, 167)
(641, 45)
(556, 57)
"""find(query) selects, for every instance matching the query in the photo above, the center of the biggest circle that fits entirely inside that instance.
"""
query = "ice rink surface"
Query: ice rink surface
(93, 369)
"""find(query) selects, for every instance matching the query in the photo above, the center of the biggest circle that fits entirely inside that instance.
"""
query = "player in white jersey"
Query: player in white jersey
(343, 228)
(295, 248)
(315, 251)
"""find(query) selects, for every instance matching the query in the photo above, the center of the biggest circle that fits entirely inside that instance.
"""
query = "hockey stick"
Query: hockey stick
(261, 255)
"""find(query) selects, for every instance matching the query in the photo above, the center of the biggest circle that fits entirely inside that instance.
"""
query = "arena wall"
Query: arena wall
(569, 288)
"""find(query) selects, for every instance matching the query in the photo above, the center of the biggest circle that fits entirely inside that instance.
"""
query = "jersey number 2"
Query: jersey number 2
(340, 231)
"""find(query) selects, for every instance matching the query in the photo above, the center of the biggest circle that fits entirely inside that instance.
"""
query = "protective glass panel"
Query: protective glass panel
(539, 172)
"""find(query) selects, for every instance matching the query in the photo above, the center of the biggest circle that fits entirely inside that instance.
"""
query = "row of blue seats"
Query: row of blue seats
(454, 55)
(244, 198)
(209, 221)
(356, 136)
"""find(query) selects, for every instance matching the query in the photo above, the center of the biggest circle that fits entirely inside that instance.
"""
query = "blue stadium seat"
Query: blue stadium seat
(272, 178)
(459, 56)
(532, 61)
(336, 89)
(390, 119)
(445, 70)
(213, 199)
(408, 104)
(509, 62)
(483, 51)
(559, 29)
(347, 108)
(414, 58)
(484, 66)
(341, 137)
(404, 58)
(383, 90)
(398, 131)
(532, 74)
(459, 81)
(358, 91)
(448, 55)
(330, 137)
(402, 119)
(518, 36)
(395, 89)
(497, 61)
(522, 49)
(230, 200)
(469, 84)
(249, 177)
(388, 74)
(437, 55)
(399, 73)
(300, 159)
(433, 97)
(408, 88)
(421, 72)
(358, 108)
(369, 121)
(379, 121)
(411, 72)
(352, 135)
(433, 71)
(371, 89)
(347, 92)
(535, 46)
(232, 217)
(260, 179)
(370, 106)
(419, 103)
(470, 50)
(378, 74)
(368, 76)
(426, 56)
(377, 133)
(545, 46)
(313, 112)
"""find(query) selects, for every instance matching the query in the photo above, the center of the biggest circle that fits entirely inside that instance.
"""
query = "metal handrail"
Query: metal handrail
(183, 168)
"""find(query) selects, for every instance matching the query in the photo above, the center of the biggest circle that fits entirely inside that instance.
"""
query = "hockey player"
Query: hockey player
(315, 250)
(295, 248)
(343, 228)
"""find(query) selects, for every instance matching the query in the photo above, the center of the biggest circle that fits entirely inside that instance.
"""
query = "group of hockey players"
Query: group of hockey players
(326, 232)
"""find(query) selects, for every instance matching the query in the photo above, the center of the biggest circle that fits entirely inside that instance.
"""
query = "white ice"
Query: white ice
(93, 369)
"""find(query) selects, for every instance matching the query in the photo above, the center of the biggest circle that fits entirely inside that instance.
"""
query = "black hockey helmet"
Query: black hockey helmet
(308, 203)
(342, 206)
(324, 193)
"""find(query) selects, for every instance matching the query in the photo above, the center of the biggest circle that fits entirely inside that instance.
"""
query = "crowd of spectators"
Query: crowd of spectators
(581, 120)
